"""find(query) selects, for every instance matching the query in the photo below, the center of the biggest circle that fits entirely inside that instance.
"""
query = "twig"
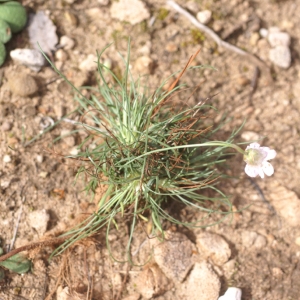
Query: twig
(17, 227)
(217, 39)
(32, 246)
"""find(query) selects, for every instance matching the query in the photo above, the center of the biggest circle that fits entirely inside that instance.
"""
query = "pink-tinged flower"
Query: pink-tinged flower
(257, 158)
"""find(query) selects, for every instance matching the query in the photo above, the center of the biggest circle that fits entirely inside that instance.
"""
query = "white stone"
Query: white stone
(250, 136)
(6, 126)
(39, 158)
(201, 284)
(74, 151)
(279, 39)
(142, 64)
(263, 32)
(297, 241)
(232, 293)
(281, 56)
(89, 63)
(39, 220)
(214, 247)
(66, 42)
(31, 58)
(132, 11)
(204, 16)
(61, 55)
(6, 159)
(103, 2)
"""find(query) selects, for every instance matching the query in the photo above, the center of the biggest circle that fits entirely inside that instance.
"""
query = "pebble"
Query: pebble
(276, 38)
(67, 137)
(103, 2)
(217, 25)
(242, 80)
(232, 293)
(74, 151)
(132, 11)
(214, 247)
(39, 220)
(31, 58)
(22, 84)
(63, 293)
(66, 42)
(204, 16)
(143, 64)
(248, 238)
(6, 159)
(134, 296)
(263, 32)
(192, 6)
(61, 55)
(253, 239)
(285, 202)
(171, 47)
(281, 56)
(152, 282)
(174, 255)
(297, 241)
(71, 18)
(89, 64)
(250, 136)
(43, 174)
(39, 158)
(202, 283)
(254, 38)
(6, 126)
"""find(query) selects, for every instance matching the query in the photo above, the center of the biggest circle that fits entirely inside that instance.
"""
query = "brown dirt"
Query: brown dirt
(268, 272)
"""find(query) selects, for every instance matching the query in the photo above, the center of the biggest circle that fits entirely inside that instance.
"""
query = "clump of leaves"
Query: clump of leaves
(17, 263)
(146, 151)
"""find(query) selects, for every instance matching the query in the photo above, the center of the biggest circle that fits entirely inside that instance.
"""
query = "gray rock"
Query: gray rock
(31, 58)
(174, 255)
(281, 56)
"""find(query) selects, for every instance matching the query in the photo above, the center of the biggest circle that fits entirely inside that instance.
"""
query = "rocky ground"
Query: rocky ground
(257, 250)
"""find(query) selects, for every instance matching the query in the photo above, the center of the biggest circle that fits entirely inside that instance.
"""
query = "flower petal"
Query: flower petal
(271, 154)
(251, 171)
(261, 172)
(268, 169)
(254, 145)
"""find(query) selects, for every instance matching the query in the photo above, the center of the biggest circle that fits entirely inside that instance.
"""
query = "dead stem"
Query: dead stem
(32, 246)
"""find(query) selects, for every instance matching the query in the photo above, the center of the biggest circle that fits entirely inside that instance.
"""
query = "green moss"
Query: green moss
(162, 14)
(197, 36)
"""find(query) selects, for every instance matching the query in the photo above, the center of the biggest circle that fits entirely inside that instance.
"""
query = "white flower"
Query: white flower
(257, 158)
(232, 293)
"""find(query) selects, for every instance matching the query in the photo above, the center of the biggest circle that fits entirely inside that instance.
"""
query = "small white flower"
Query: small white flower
(232, 293)
(257, 158)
